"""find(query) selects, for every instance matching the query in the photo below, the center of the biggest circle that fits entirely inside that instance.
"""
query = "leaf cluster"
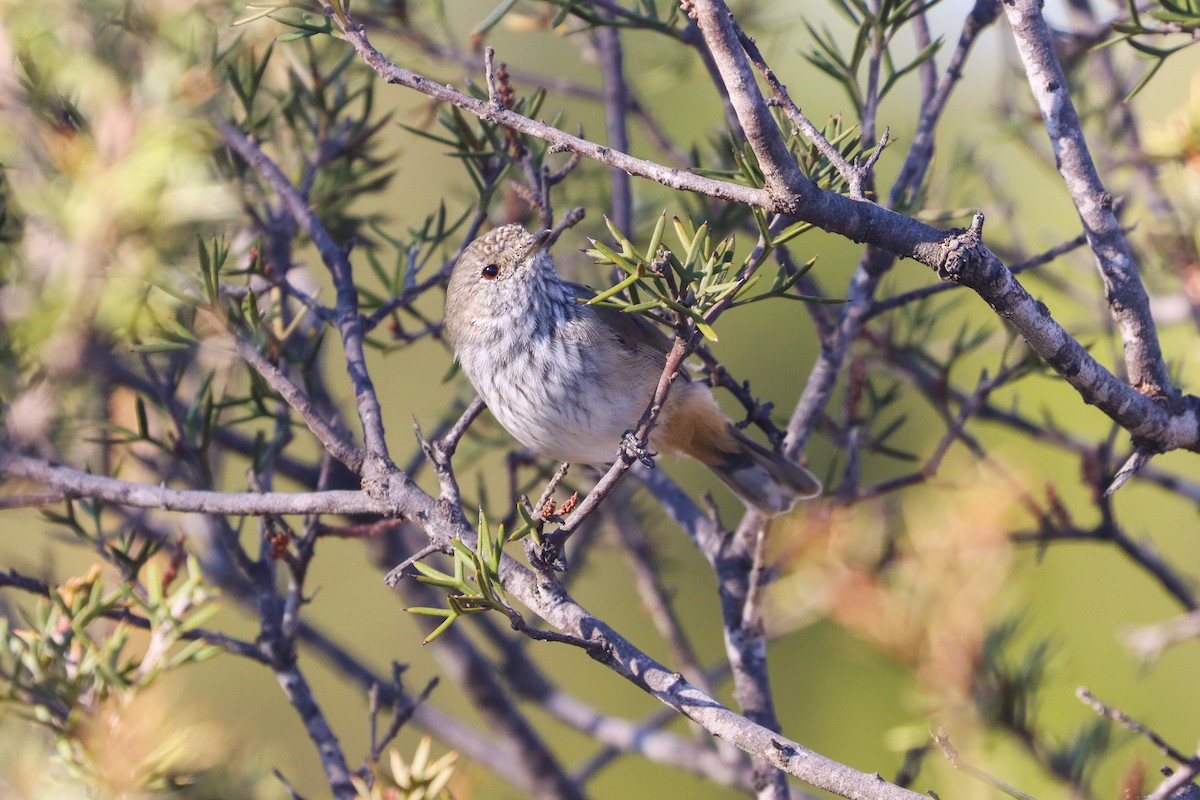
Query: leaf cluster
(1006, 688)
(1176, 19)
(474, 586)
(697, 278)
(324, 105)
(418, 779)
(644, 15)
(74, 649)
(875, 28)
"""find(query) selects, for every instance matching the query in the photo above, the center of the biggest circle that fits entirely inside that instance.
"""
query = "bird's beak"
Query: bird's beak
(538, 241)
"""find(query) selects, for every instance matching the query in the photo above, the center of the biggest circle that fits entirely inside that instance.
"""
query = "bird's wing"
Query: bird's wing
(633, 331)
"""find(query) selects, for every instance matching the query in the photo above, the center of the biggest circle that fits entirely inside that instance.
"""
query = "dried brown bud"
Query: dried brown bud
(569, 505)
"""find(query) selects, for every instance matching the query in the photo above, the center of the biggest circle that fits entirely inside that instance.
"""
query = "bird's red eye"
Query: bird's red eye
(490, 271)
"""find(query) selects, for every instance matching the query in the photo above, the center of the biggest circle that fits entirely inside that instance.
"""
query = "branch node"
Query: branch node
(960, 250)
(1132, 466)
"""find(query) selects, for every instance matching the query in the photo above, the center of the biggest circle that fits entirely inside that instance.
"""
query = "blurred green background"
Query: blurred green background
(843, 688)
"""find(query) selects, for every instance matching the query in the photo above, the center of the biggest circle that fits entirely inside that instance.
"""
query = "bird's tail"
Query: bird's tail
(763, 478)
(692, 424)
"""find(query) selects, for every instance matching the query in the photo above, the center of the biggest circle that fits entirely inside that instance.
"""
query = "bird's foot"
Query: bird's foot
(633, 449)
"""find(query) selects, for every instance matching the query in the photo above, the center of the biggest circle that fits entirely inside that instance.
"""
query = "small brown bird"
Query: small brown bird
(568, 379)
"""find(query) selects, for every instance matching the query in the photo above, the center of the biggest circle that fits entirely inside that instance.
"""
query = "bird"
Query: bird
(569, 380)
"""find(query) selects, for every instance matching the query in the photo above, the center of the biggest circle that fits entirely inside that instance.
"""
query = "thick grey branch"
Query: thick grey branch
(852, 177)
(619, 735)
(542, 594)
(74, 483)
(554, 605)
(1145, 419)
(1122, 285)
(720, 32)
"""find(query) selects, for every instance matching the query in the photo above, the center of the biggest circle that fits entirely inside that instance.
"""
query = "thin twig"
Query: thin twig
(548, 492)
(920, 152)
(632, 450)
(489, 70)
(569, 220)
(780, 170)
(954, 432)
(299, 693)
(397, 572)
(402, 712)
(1045, 432)
(559, 140)
(756, 580)
(943, 741)
(757, 412)
(448, 443)
(869, 165)
(850, 175)
(1142, 554)
(336, 444)
(1124, 720)
(1178, 784)
(32, 500)
(928, 71)
(287, 786)
(616, 109)
(362, 530)
(440, 452)
(1045, 257)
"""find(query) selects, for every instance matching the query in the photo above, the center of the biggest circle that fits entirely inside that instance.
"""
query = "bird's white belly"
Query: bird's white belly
(566, 414)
